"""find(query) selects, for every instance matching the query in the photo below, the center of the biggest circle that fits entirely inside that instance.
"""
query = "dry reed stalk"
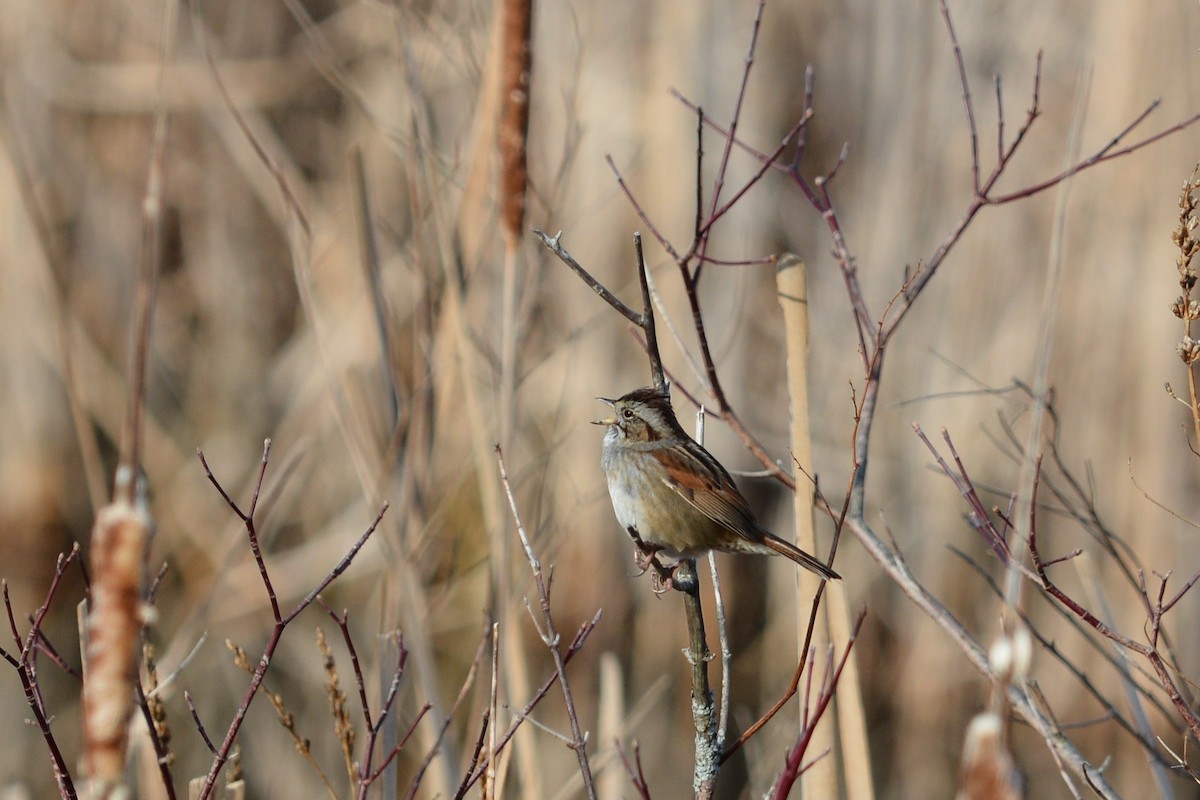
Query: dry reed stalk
(343, 728)
(610, 716)
(460, 250)
(516, 20)
(293, 218)
(791, 278)
(43, 265)
(123, 528)
(488, 789)
(852, 759)
(515, 53)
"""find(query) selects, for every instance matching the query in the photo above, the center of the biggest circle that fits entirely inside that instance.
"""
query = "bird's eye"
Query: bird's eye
(627, 413)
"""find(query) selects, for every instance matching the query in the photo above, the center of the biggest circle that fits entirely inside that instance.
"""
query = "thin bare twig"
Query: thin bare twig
(637, 775)
(793, 763)
(550, 637)
(24, 661)
(477, 770)
(484, 640)
(281, 620)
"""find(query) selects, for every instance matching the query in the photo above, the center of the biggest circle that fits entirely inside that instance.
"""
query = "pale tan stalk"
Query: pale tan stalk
(612, 783)
(121, 534)
(833, 620)
(516, 19)
(485, 427)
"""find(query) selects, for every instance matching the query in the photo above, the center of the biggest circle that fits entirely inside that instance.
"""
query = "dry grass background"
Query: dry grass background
(239, 357)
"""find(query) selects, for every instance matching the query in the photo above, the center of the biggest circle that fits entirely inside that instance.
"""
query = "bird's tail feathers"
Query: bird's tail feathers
(786, 548)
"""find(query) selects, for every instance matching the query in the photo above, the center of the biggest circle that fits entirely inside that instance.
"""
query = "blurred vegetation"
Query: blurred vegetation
(252, 340)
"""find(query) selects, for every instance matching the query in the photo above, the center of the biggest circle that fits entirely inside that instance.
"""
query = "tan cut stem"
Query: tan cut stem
(833, 622)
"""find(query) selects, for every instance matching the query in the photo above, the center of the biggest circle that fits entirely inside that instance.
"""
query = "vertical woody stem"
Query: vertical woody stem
(704, 711)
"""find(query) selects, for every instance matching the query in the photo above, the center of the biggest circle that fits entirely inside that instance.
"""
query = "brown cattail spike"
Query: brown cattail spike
(114, 622)
(517, 18)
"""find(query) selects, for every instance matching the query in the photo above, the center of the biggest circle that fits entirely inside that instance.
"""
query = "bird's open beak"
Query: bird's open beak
(607, 420)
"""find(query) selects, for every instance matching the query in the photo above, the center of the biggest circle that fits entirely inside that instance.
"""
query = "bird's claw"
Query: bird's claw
(645, 557)
(660, 576)
(663, 579)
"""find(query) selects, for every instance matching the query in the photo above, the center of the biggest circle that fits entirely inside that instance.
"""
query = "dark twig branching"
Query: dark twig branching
(793, 686)
(875, 334)
(281, 620)
(838, 518)
(1084, 621)
(1155, 609)
(367, 771)
(187, 698)
(979, 518)
(23, 659)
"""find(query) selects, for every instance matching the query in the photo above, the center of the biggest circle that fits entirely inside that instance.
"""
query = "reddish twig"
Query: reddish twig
(700, 244)
(637, 776)
(370, 778)
(793, 763)
(23, 660)
(162, 755)
(1147, 651)
(366, 771)
(281, 620)
(476, 753)
(979, 518)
